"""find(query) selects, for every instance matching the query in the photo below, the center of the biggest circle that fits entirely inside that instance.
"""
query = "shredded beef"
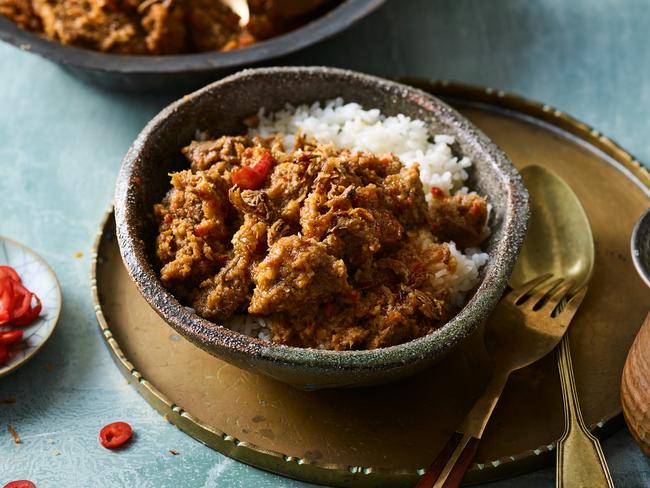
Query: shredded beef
(336, 249)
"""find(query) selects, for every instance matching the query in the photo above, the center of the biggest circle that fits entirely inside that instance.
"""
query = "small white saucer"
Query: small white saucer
(39, 278)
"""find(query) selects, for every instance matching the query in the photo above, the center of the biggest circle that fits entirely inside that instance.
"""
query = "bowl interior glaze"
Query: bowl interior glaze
(220, 109)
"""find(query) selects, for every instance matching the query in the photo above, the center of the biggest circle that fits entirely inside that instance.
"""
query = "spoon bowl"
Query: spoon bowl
(559, 239)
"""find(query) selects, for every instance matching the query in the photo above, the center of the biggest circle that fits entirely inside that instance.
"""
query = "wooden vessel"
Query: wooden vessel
(635, 388)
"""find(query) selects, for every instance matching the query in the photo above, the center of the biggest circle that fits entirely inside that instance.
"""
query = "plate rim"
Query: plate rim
(361, 476)
(4, 371)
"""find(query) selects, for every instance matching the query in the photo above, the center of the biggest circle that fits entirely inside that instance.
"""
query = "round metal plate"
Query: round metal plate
(384, 436)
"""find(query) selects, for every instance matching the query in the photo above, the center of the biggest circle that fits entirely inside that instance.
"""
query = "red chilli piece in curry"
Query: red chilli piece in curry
(252, 177)
(437, 192)
(115, 435)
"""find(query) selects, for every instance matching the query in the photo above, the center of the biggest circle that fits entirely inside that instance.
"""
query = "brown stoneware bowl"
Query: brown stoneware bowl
(220, 109)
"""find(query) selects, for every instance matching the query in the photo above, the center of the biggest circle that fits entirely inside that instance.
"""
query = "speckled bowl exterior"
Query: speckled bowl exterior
(219, 109)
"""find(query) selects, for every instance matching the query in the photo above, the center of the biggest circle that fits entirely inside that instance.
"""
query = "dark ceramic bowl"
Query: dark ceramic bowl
(640, 243)
(183, 71)
(220, 109)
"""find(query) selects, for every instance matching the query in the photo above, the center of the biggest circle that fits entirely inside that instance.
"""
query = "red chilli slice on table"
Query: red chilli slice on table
(20, 484)
(115, 435)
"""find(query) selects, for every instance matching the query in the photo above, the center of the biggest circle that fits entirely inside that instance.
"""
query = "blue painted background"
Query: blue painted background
(61, 142)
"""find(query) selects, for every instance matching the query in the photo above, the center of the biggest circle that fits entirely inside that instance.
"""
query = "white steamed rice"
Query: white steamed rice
(349, 126)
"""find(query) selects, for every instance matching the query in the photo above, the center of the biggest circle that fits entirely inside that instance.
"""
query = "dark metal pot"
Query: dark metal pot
(183, 71)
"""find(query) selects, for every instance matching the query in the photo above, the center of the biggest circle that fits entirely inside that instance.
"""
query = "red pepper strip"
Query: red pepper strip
(6, 299)
(16, 300)
(20, 484)
(10, 337)
(22, 301)
(10, 272)
(29, 316)
(252, 177)
(4, 355)
(115, 434)
(476, 210)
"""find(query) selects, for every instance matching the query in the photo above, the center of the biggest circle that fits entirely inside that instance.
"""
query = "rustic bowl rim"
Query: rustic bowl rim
(332, 22)
(216, 339)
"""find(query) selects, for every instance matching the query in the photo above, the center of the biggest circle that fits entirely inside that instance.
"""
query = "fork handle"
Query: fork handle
(453, 461)
(580, 459)
(449, 468)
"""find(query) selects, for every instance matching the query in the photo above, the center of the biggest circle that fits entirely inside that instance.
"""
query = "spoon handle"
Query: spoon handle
(580, 459)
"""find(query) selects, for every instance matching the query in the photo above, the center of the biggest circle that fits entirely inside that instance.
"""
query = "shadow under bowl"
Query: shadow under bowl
(220, 109)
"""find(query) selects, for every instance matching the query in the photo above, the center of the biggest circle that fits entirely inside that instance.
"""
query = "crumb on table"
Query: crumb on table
(14, 434)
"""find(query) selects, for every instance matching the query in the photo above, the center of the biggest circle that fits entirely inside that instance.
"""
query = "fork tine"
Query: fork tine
(541, 293)
(572, 305)
(557, 295)
(516, 294)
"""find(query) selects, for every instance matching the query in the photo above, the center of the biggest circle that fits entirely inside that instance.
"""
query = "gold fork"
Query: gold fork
(525, 326)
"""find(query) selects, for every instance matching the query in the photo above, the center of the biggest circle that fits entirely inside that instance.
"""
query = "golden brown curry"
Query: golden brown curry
(338, 250)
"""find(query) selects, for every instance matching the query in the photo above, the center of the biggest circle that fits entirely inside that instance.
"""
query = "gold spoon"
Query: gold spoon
(522, 329)
(518, 333)
(559, 240)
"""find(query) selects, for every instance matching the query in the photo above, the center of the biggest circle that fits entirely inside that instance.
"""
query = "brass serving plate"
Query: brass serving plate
(384, 436)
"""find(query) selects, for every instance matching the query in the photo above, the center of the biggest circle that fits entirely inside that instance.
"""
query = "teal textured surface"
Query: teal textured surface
(61, 143)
